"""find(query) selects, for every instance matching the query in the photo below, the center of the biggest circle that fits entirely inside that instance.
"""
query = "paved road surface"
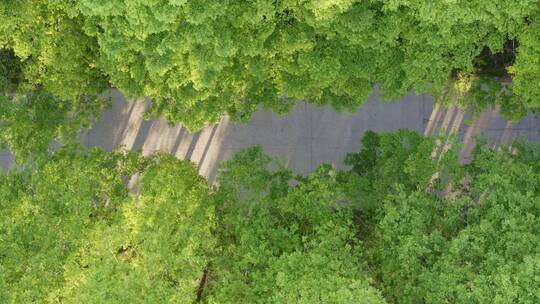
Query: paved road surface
(305, 138)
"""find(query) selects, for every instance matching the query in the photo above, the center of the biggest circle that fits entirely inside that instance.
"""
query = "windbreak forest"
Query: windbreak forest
(404, 220)
(199, 60)
(399, 226)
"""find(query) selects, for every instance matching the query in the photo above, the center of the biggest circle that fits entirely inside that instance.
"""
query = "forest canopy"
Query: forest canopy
(398, 226)
(200, 60)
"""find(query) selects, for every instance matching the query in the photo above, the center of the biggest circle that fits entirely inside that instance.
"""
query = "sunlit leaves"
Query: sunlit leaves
(472, 243)
(47, 214)
(283, 244)
(200, 60)
(158, 249)
(31, 122)
(526, 69)
(404, 224)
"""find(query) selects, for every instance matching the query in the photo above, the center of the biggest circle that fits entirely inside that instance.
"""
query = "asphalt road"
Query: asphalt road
(304, 139)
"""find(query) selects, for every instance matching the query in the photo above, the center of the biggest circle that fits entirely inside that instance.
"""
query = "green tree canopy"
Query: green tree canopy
(200, 60)
(470, 238)
(48, 214)
(70, 232)
(403, 224)
(51, 47)
(157, 249)
(283, 244)
(49, 81)
(31, 121)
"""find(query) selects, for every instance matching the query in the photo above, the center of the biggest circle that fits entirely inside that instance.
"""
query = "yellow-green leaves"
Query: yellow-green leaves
(31, 121)
(70, 232)
(158, 249)
(473, 242)
(283, 244)
(526, 70)
(200, 60)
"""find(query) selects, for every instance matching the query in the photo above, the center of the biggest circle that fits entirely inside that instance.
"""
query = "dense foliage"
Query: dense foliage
(282, 244)
(70, 232)
(156, 250)
(198, 60)
(470, 236)
(49, 81)
(405, 224)
(51, 47)
(32, 121)
(35, 116)
(48, 214)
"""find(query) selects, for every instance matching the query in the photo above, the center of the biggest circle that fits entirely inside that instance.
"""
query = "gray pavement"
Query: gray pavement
(6, 160)
(304, 139)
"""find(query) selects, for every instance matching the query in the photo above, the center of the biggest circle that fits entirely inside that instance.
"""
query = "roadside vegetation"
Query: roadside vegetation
(200, 60)
(406, 222)
(383, 231)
